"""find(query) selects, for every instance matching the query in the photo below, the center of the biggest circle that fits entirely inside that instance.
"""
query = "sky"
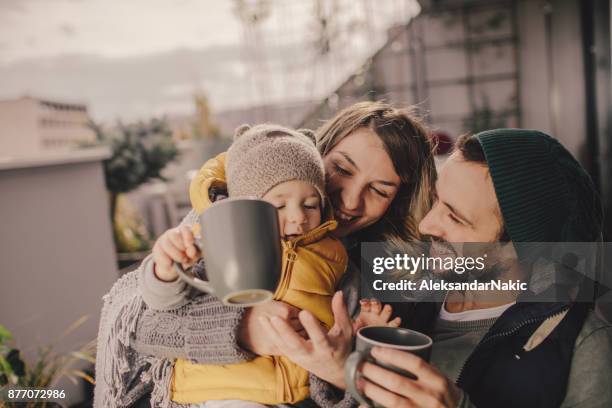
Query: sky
(111, 28)
(140, 58)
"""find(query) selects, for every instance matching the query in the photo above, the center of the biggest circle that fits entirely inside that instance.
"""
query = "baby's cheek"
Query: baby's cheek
(281, 223)
(316, 220)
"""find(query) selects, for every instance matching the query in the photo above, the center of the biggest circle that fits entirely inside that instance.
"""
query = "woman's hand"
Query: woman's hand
(430, 389)
(255, 337)
(324, 354)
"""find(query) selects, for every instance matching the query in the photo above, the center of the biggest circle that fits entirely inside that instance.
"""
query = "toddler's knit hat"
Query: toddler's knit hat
(266, 155)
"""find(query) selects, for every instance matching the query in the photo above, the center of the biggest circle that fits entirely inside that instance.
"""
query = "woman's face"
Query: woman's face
(361, 181)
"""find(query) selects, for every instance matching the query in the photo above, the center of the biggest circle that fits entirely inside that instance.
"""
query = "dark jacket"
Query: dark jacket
(498, 373)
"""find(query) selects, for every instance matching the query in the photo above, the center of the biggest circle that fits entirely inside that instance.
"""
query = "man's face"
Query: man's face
(465, 209)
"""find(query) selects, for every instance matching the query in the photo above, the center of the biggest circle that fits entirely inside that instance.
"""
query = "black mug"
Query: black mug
(381, 336)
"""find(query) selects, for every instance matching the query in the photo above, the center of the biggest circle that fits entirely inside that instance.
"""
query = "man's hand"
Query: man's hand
(430, 389)
(255, 337)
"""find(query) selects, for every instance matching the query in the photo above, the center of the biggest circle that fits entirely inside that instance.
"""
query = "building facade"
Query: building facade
(31, 126)
(474, 65)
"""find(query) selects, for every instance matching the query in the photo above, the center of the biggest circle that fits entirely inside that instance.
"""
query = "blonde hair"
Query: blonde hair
(408, 143)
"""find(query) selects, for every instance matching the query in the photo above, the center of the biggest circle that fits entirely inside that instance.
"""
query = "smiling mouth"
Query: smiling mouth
(343, 217)
(438, 249)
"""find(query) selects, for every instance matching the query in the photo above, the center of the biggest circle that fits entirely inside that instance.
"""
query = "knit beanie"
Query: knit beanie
(543, 192)
(263, 156)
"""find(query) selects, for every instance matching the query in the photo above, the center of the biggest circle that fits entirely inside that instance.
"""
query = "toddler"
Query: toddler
(283, 167)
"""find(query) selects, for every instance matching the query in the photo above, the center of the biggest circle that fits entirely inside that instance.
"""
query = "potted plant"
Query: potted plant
(140, 152)
(48, 368)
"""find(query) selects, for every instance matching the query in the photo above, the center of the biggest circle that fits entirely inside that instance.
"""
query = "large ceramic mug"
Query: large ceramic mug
(381, 336)
(240, 242)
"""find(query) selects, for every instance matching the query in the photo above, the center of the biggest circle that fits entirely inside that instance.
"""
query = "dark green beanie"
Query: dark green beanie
(543, 192)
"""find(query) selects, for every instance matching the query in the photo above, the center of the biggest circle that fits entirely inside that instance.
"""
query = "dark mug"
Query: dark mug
(391, 337)
(240, 242)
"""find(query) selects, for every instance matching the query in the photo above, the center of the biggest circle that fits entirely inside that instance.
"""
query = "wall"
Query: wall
(552, 73)
(523, 59)
(56, 249)
(456, 64)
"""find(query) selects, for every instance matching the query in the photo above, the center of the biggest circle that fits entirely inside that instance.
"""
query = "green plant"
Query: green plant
(48, 368)
(11, 364)
(139, 154)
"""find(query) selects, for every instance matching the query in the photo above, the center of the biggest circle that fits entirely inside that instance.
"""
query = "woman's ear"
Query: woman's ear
(309, 134)
(240, 130)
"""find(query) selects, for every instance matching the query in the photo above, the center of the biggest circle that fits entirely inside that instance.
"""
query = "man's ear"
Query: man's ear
(240, 130)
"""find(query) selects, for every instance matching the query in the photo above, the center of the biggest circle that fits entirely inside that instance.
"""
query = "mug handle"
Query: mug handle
(351, 372)
(197, 283)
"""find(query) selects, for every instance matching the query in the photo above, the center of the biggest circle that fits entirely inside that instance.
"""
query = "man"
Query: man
(522, 186)
(508, 185)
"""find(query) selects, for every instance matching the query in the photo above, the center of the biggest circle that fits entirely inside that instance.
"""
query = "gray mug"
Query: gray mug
(392, 337)
(240, 242)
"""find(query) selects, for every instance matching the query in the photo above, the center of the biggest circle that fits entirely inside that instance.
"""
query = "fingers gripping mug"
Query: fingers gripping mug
(241, 243)
(391, 337)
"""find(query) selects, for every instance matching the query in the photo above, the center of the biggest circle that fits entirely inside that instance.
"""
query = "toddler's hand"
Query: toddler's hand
(176, 244)
(373, 314)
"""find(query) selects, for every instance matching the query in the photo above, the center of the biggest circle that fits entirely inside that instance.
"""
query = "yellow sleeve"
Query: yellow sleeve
(212, 174)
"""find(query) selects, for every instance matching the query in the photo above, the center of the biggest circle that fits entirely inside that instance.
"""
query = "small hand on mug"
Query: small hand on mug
(241, 242)
(175, 245)
(373, 313)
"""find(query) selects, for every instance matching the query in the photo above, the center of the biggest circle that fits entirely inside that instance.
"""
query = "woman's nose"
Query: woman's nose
(351, 197)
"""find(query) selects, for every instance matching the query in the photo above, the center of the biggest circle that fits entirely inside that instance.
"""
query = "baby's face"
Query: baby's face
(299, 207)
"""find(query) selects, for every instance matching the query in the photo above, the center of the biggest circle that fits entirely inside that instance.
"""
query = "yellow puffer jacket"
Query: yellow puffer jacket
(312, 267)
(211, 175)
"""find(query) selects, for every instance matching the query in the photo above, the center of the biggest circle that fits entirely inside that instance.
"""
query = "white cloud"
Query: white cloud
(175, 90)
(114, 28)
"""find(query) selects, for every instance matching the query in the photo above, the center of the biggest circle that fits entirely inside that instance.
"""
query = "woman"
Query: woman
(380, 175)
